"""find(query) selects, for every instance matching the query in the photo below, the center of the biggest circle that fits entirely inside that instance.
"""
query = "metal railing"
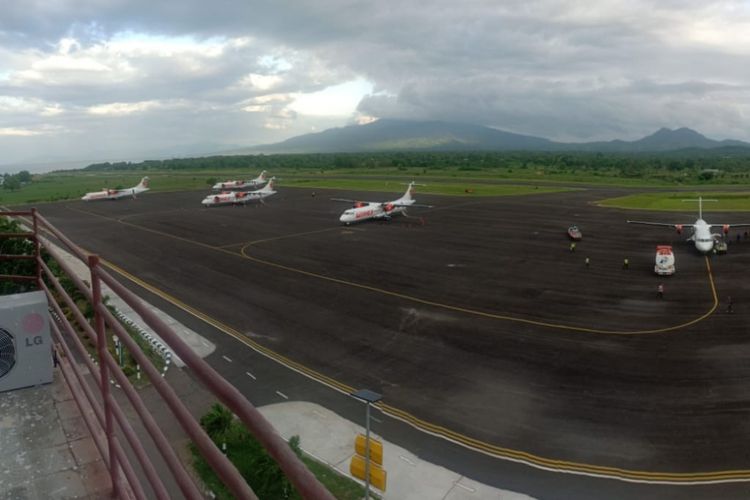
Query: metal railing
(112, 433)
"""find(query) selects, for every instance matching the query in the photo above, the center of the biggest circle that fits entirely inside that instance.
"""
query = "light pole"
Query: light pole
(369, 397)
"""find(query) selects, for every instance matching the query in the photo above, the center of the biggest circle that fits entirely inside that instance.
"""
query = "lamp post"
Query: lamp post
(369, 397)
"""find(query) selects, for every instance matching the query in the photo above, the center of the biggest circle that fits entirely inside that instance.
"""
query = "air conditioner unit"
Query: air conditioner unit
(25, 342)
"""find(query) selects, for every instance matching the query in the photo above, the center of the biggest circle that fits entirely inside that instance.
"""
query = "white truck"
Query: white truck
(664, 265)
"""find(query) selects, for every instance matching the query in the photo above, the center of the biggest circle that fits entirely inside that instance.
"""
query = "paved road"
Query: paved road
(481, 321)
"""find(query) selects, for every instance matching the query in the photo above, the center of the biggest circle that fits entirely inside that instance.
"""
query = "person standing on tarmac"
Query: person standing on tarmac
(588, 261)
(625, 263)
(572, 246)
(660, 291)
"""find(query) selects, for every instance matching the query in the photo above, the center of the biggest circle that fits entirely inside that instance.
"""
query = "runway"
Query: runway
(473, 319)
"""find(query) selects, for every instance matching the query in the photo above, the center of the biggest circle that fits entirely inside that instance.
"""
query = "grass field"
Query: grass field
(734, 201)
(66, 185)
(72, 185)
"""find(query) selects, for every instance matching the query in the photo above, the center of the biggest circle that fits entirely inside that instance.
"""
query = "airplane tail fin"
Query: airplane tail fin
(409, 192)
(700, 201)
(269, 187)
(143, 184)
(262, 176)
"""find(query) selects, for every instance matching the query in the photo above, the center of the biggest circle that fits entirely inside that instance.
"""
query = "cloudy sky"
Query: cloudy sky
(131, 79)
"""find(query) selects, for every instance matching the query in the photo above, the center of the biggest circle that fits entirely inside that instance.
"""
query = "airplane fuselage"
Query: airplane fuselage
(239, 185)
(116, 194)
(238, 197)
(373, 211)
(112, 194)
(702, 237)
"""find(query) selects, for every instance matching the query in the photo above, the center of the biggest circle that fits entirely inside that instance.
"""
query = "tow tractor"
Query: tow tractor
(720, 245)
(574, 233)
(664, 265)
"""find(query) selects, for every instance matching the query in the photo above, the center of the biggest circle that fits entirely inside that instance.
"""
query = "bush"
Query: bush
(260, 471)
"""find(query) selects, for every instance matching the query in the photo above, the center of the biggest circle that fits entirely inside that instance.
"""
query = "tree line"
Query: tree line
(623, 164)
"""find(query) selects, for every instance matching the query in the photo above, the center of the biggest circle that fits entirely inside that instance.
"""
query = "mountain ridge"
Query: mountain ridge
(405, 135)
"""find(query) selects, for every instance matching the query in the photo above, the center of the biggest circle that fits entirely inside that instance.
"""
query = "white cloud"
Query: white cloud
(17, 132)
(337, 100)
(129, 108)
(256, 81)
(149, 76)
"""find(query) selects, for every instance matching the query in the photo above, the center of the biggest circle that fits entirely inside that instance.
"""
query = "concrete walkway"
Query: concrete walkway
(330, 439)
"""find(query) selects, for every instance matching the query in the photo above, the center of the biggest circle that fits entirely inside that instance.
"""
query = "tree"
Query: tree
(12, 183)
(15, 246)
(24, 176)
(217, 421)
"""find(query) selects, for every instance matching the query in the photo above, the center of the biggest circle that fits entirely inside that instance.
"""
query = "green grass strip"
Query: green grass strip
(727, 201)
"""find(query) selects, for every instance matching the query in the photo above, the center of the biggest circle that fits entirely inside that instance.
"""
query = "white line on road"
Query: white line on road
(251, 375)
(376, 419)
(406, 460)
(226, 359)
(282, 395)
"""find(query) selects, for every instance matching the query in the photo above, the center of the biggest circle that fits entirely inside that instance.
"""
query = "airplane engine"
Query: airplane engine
(725, 228)
(388, 207)
(216, 199)
(679, 228)
(359, 204)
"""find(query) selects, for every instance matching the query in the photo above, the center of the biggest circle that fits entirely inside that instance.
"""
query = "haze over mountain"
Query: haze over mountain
(401, 135)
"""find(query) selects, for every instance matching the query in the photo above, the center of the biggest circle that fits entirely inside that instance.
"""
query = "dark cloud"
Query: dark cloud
(565, 70)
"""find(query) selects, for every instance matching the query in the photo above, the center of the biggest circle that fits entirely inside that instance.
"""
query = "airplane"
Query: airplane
(702, 236)
(116, 194)
(365, 210)
(239, 185)
(239, 197)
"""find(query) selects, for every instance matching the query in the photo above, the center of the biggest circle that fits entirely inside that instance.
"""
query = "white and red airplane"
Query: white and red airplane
(116, 194)
(702, 236)
(239, 197)
(365, 210)
(240, 185)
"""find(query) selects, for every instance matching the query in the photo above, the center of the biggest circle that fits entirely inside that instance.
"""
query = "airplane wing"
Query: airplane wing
(347, 200)
(732, 225)
(665, 224)
(418, 205)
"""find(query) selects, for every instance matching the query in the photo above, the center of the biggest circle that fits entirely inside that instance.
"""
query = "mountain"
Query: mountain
(402, 135)
(662, 140)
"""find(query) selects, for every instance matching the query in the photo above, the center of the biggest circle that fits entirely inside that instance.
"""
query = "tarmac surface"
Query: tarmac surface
(474, 319)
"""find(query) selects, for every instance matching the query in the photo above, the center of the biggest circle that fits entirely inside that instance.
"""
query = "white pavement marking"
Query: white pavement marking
(407, 460)
(376, 419)
(465, 487)
(228, 360)
(251, 375)
(282, 395)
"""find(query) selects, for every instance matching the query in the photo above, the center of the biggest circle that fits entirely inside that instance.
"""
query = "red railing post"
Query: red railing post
(37, 248)
(101, 347)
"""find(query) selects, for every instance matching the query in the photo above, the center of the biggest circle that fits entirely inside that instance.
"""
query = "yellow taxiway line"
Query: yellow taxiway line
(537, 461)
(474, 312)
(554, 465)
